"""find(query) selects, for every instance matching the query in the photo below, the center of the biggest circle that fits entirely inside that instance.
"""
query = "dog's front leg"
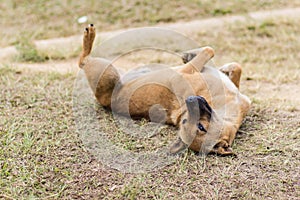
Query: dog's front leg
(196, 59)
(233, 71)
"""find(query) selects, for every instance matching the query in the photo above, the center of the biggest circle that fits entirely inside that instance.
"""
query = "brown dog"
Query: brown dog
(205, 103)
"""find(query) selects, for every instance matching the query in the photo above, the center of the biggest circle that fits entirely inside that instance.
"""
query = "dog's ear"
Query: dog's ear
(177, 146)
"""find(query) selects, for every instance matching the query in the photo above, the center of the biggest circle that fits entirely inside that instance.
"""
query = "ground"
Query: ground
(42, 156)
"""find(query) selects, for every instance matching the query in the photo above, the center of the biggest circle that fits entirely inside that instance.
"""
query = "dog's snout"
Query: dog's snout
(198, 105)
(193, 107)
(191, 99)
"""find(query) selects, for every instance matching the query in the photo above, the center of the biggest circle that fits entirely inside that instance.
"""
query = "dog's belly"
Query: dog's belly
(147, 95)
(154, 102)
(160, 95)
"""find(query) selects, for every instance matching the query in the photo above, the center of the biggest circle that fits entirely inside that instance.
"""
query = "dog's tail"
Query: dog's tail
(88, 39)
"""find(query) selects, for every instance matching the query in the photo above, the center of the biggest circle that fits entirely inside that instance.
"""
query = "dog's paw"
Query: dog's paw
(223, 148)
(89, 32)
(88, 39)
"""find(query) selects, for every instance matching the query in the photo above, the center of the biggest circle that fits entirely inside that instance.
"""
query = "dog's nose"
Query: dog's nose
(193, 107)
(191, 99)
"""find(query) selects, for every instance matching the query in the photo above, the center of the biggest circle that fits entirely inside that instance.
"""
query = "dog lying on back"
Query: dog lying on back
(202, 101)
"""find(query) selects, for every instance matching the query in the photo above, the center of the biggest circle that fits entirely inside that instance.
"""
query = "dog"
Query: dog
(203, 102)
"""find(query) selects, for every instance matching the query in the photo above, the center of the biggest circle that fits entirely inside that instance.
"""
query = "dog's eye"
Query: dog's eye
(201, 128)
(184, 121)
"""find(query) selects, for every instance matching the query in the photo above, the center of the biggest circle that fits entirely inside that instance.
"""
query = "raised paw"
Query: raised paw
(89, 33)
(233, 71)
(88, 39)
(187, 56)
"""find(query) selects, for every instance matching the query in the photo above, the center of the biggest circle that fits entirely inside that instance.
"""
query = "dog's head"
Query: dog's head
(199, 129)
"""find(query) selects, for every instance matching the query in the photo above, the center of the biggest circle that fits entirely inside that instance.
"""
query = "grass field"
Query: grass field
(41, 19)
(42, 156)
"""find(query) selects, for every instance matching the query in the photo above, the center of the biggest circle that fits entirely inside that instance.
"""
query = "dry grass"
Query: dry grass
(42, 19)
(42, 156)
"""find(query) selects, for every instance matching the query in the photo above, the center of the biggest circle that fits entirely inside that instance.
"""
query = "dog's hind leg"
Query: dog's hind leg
(88, 39)
(233, 71)
(100, 73)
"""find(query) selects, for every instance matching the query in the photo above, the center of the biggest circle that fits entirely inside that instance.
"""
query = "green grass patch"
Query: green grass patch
(27, 52)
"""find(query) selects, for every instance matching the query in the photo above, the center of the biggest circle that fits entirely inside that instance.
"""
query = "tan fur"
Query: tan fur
(160, 94)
